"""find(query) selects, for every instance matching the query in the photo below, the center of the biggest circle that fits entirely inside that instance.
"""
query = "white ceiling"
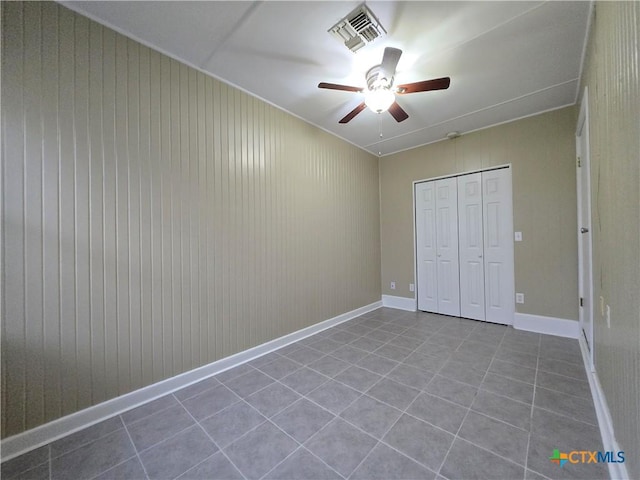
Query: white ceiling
(506, 60)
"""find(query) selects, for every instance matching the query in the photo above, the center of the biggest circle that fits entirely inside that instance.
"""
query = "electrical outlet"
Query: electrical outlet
(519, 297)
(608, 316)
(518, 236)
(393, 285)
(412, 287)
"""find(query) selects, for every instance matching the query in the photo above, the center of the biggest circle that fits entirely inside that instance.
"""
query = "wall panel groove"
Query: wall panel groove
(612, 75)
(155, 219)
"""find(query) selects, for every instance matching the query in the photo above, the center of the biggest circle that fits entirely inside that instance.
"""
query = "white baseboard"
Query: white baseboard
(401, 303)
(42, 435)
(617, 471)
(559, 327)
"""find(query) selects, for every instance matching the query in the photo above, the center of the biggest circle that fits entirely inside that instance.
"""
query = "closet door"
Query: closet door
(498, 246)
(471, 246)
(427, 291)
(448, 276)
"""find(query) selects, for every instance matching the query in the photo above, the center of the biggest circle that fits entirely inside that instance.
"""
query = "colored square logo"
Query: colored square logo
(559, 458)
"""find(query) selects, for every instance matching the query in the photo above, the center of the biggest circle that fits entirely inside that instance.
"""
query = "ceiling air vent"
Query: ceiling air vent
(358, 28)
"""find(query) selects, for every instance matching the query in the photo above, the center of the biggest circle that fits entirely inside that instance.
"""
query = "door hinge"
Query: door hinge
(579, 164)
(581, 302)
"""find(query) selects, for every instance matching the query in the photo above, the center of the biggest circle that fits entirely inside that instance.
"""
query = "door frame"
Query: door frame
(582, 128)
(415, 243)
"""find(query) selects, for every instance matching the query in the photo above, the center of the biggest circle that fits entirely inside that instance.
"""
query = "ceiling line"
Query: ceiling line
(472, 113)
(469, 40)
(245, 16)
(529, 115)
(585, 42)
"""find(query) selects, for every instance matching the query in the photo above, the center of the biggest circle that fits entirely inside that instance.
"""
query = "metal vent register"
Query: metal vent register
(358, 28)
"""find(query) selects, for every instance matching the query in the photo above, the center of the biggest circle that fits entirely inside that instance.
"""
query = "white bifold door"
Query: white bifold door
(437, 227)
(497, 210)
(425, 197)
(464, 246)
(471, 246)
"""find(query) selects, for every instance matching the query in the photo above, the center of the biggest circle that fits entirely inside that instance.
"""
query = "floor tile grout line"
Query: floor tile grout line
(117, 465)
(29, 467)
(379, 440)
(175, 434)
(444, 460)
(214, 442)
(241, 400)
(135, 449)
(403, 412)
(199, 393)
(146, 417)
(567, 417)
(198, 464)
(314, 455)
(533, 401)
(498, 420)
(338, 416)
(87, 442)
(298, 448)
(538, 473)
(301, 444)
(488, 450)
(526, 454)
(563, 376)
(364, 459)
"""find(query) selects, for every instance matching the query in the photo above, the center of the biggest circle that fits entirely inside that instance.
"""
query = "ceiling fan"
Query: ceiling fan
(380, 92)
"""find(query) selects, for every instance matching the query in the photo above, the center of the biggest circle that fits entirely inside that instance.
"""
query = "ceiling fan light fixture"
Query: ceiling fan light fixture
(379, 100)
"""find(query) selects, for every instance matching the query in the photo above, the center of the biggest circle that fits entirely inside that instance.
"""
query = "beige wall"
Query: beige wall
(541, 150)
(611, 75)
(155, 220)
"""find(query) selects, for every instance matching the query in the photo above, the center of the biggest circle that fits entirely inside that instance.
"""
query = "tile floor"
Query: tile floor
(388, 395)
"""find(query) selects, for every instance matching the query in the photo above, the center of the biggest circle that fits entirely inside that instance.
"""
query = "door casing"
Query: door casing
(585, 255)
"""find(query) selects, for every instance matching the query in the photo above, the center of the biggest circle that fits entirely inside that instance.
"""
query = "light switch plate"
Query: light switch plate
(518, 236)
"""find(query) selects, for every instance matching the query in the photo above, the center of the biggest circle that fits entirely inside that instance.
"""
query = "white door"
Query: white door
(425, 197)
(585, 284)
(471, 246)
(498, 246)
(447, 247)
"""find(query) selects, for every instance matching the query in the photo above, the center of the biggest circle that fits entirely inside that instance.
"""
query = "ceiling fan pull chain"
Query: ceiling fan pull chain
(379, 133)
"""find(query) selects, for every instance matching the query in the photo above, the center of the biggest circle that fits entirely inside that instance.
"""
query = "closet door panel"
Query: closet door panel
(471, 241)
(427, 283)
(448, 267)
(498, 246)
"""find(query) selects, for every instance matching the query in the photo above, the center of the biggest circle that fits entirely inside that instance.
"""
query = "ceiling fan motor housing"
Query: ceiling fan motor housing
(376, 78)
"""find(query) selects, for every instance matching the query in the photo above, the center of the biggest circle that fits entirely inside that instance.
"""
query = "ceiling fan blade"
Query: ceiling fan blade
(398, 112)
(424, 86)
(390, 60)
(335, 86)
(349, 116)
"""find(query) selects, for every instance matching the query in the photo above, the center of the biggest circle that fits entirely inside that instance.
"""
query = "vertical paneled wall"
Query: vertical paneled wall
(155, 219)
(612, 75)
